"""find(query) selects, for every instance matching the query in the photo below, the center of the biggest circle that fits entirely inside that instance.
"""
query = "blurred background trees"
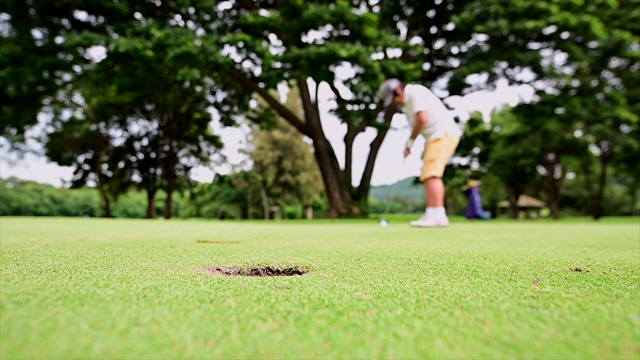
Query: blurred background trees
(284, 161)
(124, 92)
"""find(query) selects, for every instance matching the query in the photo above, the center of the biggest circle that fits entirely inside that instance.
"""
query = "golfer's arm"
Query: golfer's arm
(419, 124)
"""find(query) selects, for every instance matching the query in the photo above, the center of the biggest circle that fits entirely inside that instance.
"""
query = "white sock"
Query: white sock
(435, 211)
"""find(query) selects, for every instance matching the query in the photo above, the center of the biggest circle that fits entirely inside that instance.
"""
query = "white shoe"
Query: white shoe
(433, 221)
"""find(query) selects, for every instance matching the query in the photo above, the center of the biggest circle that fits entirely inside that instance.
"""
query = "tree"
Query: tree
(590, 87)
(579, 57)
(250, 183)
(44, 46)
(629, 166)
(605, 86)
(84, 144)
(34, 59)
(151, 91)
(343, 47)
(156, 76)
(283, 160)
(523, 148)
(464, 45)
(28, 198)
(220, 199)
(273, 42)
(156, 69)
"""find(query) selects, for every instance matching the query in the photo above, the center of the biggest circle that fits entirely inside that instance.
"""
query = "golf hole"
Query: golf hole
(257, 271)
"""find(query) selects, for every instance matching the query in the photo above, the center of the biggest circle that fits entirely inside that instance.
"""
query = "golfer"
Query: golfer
(428, 117)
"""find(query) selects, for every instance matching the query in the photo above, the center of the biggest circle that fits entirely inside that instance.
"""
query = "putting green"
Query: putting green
(107, 288)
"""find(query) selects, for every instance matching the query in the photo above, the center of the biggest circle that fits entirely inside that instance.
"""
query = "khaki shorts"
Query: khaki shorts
(436, 155)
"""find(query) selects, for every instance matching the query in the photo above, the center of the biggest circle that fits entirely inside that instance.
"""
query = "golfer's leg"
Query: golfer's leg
(436, 155)
(434, 192)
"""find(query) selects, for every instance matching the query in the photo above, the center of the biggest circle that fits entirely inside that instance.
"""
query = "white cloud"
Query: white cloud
(34, 168)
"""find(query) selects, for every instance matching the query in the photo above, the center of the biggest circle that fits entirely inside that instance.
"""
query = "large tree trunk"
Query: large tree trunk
(553, 188)
(361, 197)
(337, 186)
(344, 200)
(339, 197)
(602, 181)
(249, 204)
(587, 175)
(514, 194)
(265, 200)
(106, 202)
(168, 203)
(171, 182)
(151, 204)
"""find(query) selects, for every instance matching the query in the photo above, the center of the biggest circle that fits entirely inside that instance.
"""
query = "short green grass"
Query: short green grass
(134, 289)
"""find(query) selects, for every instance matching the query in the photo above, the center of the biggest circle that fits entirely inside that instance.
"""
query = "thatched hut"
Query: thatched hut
(525, 203)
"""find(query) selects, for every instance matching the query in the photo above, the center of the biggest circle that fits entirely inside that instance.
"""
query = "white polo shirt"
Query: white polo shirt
(439, 119)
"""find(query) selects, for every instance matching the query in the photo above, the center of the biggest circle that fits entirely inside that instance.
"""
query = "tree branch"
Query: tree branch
(247, 4)
(365, 180)
(357, 128)
(312, 114)
(275, 104)
(340, 100)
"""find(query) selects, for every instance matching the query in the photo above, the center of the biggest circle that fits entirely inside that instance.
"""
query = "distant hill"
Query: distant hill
(403, 188)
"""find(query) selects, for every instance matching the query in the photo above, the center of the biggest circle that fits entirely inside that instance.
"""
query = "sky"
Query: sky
(389, 168)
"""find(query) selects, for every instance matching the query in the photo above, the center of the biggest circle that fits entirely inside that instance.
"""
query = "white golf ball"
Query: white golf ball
(384, 223)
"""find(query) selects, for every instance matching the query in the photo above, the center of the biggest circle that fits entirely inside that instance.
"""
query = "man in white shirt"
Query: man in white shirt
(429, 117)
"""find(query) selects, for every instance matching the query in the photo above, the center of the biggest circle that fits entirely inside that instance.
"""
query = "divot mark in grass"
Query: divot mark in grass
(217, 242)
(254, 271)
(580, 269)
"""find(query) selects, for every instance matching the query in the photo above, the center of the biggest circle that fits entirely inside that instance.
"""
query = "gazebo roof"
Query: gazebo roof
(525, 201)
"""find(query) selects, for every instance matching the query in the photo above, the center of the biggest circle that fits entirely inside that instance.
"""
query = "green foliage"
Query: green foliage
(28, 198)
(220, 199)
(408, 188)
(405, 196)
(168, 64)
(130, 205)
(86, 146)
(284, 162)
(79, 202)
(160, 109)
(36, 59)
(32, 199)
(243, 195)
